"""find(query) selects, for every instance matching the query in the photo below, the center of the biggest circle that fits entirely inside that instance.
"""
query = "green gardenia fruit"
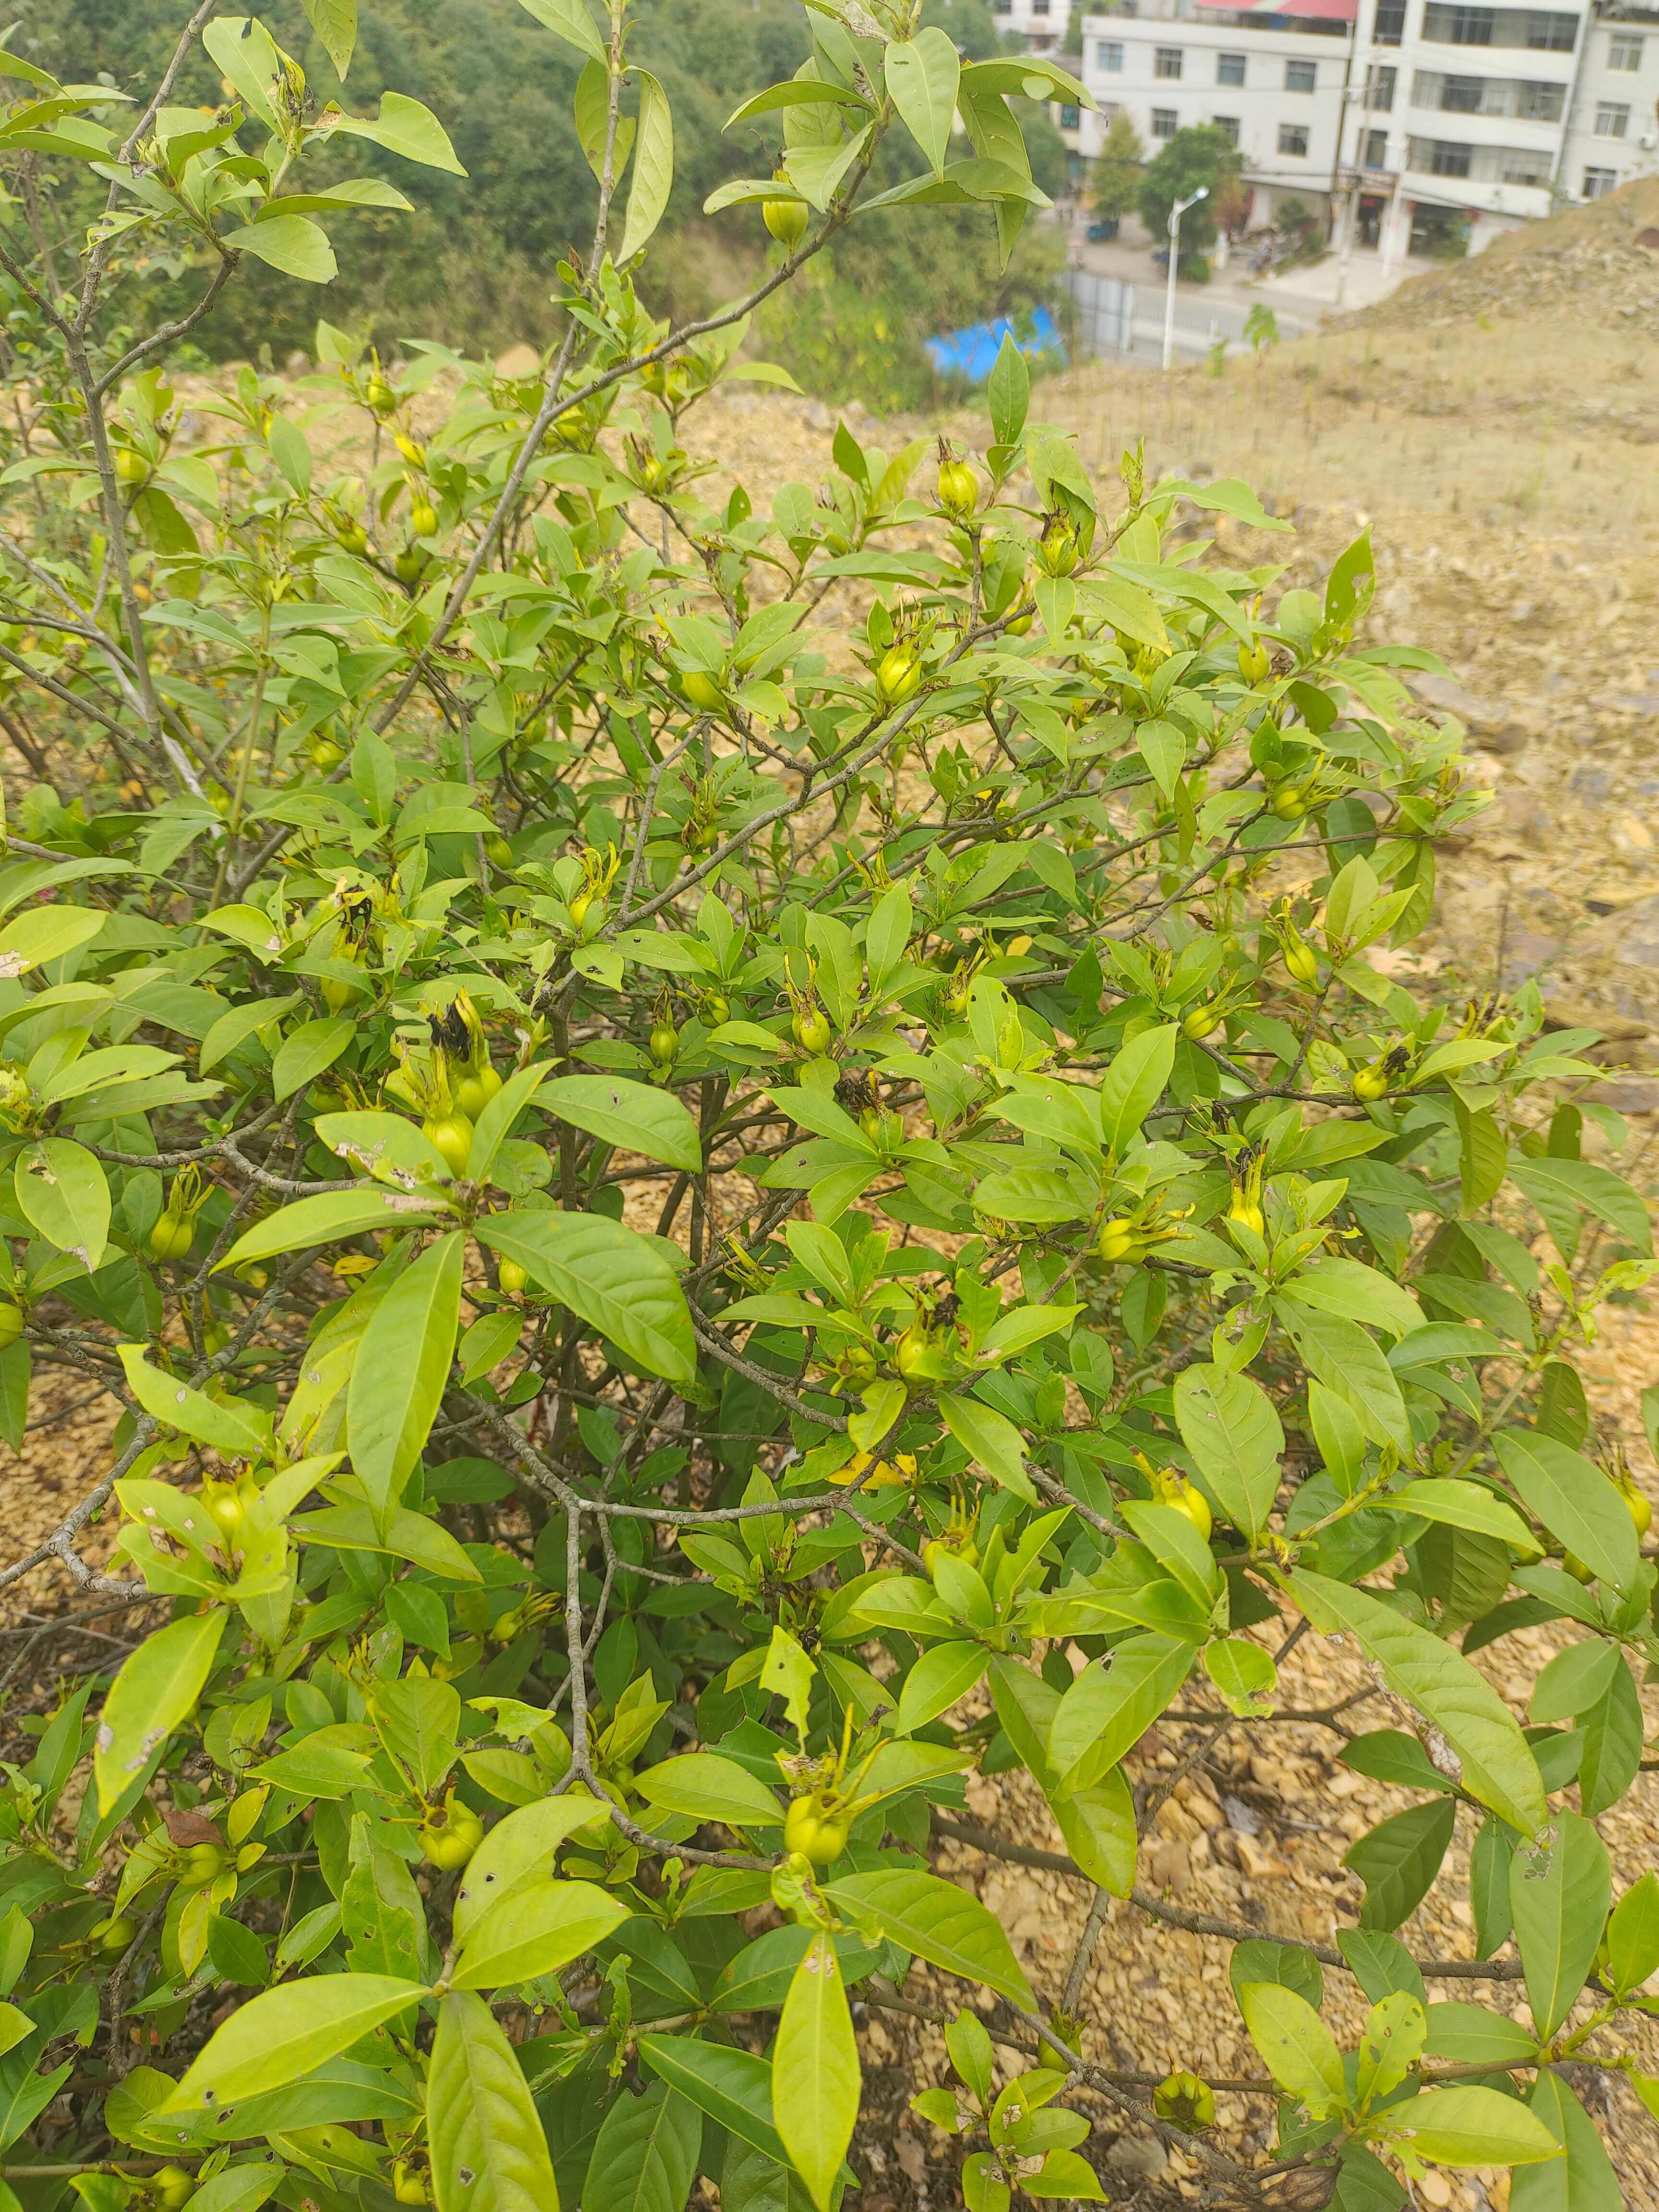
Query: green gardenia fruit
(514, 1280)
(450, 1839)
(812, 1030)
(11, 1323)
(453, 1135)
(786, 220)
(816, 1830)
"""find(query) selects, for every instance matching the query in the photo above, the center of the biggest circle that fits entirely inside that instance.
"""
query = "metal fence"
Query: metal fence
(1115, 316)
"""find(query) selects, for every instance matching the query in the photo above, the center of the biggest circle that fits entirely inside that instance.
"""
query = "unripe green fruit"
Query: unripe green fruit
(11, 1323)
(817, 1833)
(423, 518)
(474, 1093)
(352, 537)
(703, 690)
(201, 1864)
(514, 1280)
(499, 853)
(1370, 1083)
(1253, 663)
(409, 564)
(1117, 1241)
(665, 1044)
(898, 675)
(129, 467)
(450, 1842)
(1301, 965)
(786, 220)
(409, 2183)
(1291, 802)
(936, 1549)
(812, 1030)
(112, 1936)
(452, 1136)
(1199, 1022)
(958, 488)
(174, 2186)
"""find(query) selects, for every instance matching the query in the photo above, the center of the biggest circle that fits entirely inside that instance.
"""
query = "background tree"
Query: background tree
(1114, 175)
(1202, 154)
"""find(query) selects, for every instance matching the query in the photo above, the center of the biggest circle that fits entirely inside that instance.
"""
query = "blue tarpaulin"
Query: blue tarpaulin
(972, 352)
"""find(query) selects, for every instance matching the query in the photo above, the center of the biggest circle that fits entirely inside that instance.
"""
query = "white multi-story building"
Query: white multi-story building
(1444, 120)
(1040, 23)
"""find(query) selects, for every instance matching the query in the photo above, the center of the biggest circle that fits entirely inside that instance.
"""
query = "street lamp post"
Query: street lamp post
(1176, 213)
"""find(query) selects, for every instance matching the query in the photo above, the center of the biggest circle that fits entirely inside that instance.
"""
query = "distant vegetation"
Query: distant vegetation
(475, 264)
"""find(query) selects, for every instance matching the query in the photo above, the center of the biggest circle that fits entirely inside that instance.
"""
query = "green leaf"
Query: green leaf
(1559, 1892)
(156, 1688)
(292, 243)
(654, 167)
(1351, 1363)
(407, 128)
(399, 1375)
(1470, 2125)
(518, 1852)
(703, 1786)
(535, 1928)
(1390, 2045)
(1244, 1674)
(1133, 1084)
(1297, 2048)
(1582, 2181)
(937, 1680)
(633, 1117)
(614, 1278)
(1399, 1859)
(940, 1922)
(1498, 1767)
(1098, 1825)
(570, 20)
(1597, 1190)
(1574, 1500)
(284, 2032)
(995, 1443)
(816, 2079)
(1469, 2035)
(923, 74)
(246, 53)
(307, 1052)
(645, 2159)
(46, 932)
(488, 2149)
(734, 2088)
(1633, 1934)
(1113, 1702)
(1229, 1426)
(237, 1429)
(356, 1211)
(335, 22)
(235, 1028)
(1355, 1292)
(1464, 1505)
(63, 1193)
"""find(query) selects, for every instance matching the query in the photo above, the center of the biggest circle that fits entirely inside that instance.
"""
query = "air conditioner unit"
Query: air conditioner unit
(1649, 142)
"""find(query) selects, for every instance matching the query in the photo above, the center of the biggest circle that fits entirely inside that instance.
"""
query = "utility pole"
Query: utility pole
(1179, 208)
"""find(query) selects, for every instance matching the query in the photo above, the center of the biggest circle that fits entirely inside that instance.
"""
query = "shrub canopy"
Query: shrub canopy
(728, 1160)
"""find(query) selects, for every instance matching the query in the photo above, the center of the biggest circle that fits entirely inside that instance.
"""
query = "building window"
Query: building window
(1550, 34)
(1450, 22)
(1300, 76)
(1625, 54)
(1164, 123)
(1293, 138)
(1612, 118)
(1390, 26)
(1166, 62)
(1462, 96)
(1108, 56)
(1228, 124)
(1521, 165)
(1540, 103)
(1599, 182)
(1069, 117)
(1376, 150)
(1448, 159)
(1384, 77)
(1039, 7)
(1230, 69)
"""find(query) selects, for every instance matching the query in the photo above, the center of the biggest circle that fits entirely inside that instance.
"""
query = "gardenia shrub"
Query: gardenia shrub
(721, 1165)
